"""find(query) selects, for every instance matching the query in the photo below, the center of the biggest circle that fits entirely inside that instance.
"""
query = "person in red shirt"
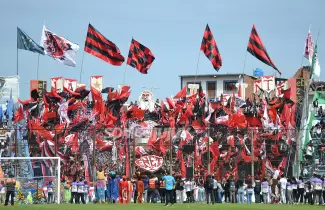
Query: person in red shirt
(124, 191)
(140, 189)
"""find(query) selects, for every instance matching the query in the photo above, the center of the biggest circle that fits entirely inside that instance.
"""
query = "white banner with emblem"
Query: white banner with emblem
(150, 162)
(9, 84)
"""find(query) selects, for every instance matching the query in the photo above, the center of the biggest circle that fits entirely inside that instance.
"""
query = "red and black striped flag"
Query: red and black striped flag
(140, 57)
(257, 49)
(210, 49)
(97, 45)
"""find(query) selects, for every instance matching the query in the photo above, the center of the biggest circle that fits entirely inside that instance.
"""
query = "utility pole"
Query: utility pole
(252, 153)
(209, 172)
(170, 153)
(94, 155)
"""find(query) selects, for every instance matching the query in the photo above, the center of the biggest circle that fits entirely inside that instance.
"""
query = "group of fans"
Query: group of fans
(169, 190)
(174, 189)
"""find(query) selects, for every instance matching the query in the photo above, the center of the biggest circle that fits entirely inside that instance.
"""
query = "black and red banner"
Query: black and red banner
(99, 46)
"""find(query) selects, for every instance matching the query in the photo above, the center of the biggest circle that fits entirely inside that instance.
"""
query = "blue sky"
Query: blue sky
(172, 29)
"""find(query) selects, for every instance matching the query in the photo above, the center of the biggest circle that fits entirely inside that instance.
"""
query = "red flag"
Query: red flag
(257, 49)
(140, 57)
(19, 115)
(197, 156)
(239, 91)
(181, 94)
(214, 148)
(127, 162)
(75, 145)
(286, 93)
(25, 102)
(152, 139)
(170, 103)
(136, 112)
(210, 49)
(253, 121)
(183, 169)
(97, 45)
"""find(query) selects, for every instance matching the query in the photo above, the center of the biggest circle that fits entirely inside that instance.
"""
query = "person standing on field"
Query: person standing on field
(140, 187)
(170, 186)
(10, 186)
(50, 188)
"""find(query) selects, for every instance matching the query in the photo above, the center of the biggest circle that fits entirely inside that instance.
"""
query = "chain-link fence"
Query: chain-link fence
(241, 152)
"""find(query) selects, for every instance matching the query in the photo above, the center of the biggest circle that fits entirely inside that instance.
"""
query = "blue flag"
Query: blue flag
(10, 107)
(24, 42)
(1, 114)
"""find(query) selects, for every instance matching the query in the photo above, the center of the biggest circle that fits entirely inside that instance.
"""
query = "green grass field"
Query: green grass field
(161, 206)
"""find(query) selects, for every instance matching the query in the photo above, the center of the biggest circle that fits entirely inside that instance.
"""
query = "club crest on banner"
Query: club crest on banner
(57, 83)
(96, 82)
(150, 163)
(70, 84)
(266, 83)
(59, 48)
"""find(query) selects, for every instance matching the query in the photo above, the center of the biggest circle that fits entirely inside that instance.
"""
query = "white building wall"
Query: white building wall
(219, 82)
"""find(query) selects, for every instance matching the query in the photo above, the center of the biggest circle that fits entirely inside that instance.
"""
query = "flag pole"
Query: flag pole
(82, 63)
(245, 62)
(197, 65)
(124, 74)
(17, 54)
(37, 67)
(125, 67)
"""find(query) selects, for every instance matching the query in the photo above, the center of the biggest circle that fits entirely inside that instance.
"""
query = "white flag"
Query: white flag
(309, 47)
(59, 48)
(96, 82)
(317, 68)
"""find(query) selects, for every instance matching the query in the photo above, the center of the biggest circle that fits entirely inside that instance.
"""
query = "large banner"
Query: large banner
(9, 85)
(39, 85)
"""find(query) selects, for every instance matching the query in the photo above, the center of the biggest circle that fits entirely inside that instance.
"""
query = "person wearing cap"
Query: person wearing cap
(10, 186)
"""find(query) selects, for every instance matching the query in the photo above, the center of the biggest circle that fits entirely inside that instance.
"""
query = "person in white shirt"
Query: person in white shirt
(283, 187)
(309, 152)
(188, 185)
(275, 181)
(289, 191)
(192, 190)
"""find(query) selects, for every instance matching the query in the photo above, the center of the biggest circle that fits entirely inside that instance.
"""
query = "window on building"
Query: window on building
(211, 89)
(188, 92)
(229, 85)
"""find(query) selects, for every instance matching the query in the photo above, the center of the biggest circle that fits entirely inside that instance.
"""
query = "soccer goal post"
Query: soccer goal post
(34, 173)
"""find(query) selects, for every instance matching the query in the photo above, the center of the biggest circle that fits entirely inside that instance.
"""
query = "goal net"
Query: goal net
(37, 178)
